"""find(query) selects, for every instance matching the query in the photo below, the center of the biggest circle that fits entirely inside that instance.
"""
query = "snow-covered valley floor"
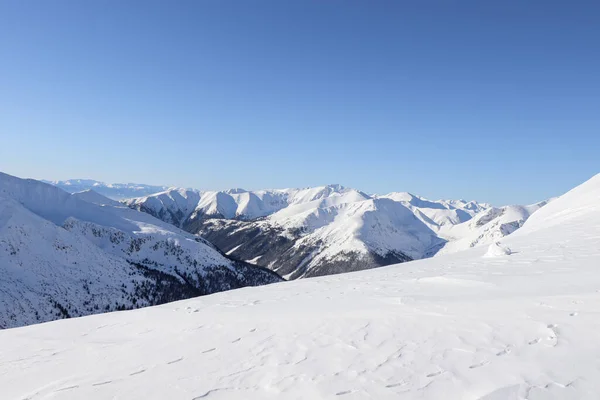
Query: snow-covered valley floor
(461, 326)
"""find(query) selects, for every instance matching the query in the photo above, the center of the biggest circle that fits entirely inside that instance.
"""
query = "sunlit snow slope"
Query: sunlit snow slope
(460, 326)
(64, 255)
(486, 227)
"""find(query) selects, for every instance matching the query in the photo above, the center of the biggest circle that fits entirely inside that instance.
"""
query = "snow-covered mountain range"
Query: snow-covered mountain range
(65, 255)
(115, 191)
(330, 229)
(322, 230)
(476, 324)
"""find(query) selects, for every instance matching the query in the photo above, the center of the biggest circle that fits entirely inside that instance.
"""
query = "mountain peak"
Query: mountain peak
(336, 186)
(236, 191)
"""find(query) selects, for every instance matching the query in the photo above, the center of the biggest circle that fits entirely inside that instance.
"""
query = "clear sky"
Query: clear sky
(496, 101)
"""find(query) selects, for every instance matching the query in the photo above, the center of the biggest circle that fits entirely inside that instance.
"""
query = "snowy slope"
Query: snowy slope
(92, 196)
(572, 208)
(341, 235)
(486, 227)
(67, 254)
(45, 270)
(440, 213)
(461, 326)
(115, 191)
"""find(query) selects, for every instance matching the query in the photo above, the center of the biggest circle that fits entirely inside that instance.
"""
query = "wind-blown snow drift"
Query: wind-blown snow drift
(459, 326)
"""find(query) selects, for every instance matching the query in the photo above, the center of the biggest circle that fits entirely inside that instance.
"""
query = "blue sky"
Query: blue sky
(494, 101)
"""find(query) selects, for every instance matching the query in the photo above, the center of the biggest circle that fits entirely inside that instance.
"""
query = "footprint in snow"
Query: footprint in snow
(137, 372)
(433, 374)
(67, 388)
(209, 350)
(504, 352)
(478, 365)
(101, 383)
(393, 385)
(175, 361)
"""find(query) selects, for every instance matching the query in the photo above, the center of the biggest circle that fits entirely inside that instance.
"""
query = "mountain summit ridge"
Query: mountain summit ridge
(304, 232)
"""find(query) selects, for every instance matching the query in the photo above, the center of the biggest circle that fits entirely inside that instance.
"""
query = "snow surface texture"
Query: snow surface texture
(115, 191)
(458, 326)
(65, 255)
(331, 229)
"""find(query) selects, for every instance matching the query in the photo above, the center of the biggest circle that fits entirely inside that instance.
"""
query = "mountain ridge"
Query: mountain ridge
(115, 191)
(314, 231)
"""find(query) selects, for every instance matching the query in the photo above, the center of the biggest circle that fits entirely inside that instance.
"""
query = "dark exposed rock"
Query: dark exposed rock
(277, 249)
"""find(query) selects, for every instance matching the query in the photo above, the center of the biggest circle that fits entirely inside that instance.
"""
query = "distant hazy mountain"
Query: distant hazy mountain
(114, 191)
(66, 255)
